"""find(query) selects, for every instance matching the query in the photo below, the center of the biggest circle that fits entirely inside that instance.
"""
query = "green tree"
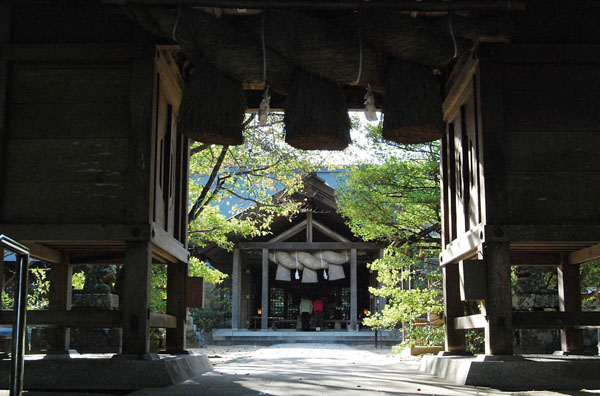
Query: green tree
(398, 201)
(249, 174)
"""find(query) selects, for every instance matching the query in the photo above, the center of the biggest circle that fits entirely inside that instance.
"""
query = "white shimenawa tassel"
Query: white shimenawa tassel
(322, 266)
(297, 275)
(370, 109)
(265, 107)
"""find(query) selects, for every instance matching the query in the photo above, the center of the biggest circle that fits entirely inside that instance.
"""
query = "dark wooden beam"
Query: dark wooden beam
(135, 303)
(498, 303)
(43, 253)
(139, 157)
(527, 258)
(541, 53)
(584, 255)
(69, 53)
(555, 319)
(194, 292)
(5, 33)
(310, 246)
(569, 300)
(462, 74)
(553, 233)
(177, 275)
(470, 322)
(73, 318)
(264, 320)
(171, 248)
(491, 125)
(309, 226)
(109, 257)
(353, 291)
(41, 233)
(489, 5)
(236, 289)
(453, 308)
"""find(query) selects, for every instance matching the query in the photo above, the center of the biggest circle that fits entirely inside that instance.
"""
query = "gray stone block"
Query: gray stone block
(539, 372)
(103, 373)
(95, 300)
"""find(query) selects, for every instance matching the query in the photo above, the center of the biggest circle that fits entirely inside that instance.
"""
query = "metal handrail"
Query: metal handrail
(20, 308)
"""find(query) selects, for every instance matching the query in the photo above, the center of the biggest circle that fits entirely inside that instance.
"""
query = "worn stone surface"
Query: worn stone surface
(86, 340)
(534, 301)
(532, 372)
(101, 372)
(532, 294)
(536, 341)
(100, 278)
(95, 300)
(96, 340)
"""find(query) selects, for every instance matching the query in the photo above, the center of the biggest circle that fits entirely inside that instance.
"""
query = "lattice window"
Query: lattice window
(277, 302)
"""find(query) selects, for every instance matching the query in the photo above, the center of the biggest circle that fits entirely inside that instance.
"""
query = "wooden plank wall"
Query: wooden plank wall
(67, 121)
(552, 132)
(536, 161)
(67, 143)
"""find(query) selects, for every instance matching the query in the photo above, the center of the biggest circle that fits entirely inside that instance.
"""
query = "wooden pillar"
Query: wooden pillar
(176, 275)
(60, 296)
(498, 304)
(264, 320)
(353, 291)
(5, 33)
(454, 307)
(137, 273)
(309, 226)
(236, 289)
(569, 300)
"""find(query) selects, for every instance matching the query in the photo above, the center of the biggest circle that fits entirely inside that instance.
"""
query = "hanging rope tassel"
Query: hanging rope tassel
(265, 108)
(297, 275)
(370, 109)
(265, 103)
(323, 266)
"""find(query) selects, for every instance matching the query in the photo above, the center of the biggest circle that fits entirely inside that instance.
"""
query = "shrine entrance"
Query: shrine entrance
(314, 256)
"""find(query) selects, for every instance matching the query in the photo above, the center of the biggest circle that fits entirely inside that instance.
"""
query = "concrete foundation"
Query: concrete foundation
(525, 372)
(104, 372)
(271, 337)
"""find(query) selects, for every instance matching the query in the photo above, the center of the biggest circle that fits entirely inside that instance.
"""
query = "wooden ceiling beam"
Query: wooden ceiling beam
(404, 5)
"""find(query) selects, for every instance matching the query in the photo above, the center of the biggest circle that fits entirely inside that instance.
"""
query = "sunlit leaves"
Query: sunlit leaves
(397, 199)
(201, 269)
(249, 175)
